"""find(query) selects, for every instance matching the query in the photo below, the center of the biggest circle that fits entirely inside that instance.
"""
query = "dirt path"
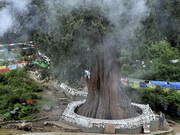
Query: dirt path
(53, 108)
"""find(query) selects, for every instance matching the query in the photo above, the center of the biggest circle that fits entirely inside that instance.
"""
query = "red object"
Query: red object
(21, 62)
(30, 101)
(124, 80)
(4, 70)
(7, 44)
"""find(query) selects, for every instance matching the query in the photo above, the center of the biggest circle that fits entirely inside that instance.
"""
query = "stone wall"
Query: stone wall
(146, 117)
(71, 91)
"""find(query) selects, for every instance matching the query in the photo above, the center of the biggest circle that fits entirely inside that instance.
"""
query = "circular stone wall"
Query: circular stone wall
(146, 117)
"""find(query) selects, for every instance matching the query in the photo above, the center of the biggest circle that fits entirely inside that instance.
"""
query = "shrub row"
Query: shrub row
(158, 99)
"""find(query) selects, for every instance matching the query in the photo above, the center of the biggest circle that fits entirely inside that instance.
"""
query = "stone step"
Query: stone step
(60, 95)
(55, 115)
(63, 101)
(64, 126)
(54, 118)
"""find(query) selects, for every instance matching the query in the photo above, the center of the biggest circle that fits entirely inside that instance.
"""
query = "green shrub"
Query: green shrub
(158, 99)
(16, 88)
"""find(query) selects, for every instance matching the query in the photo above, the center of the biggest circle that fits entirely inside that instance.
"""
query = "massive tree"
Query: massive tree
(85, 38)
(106, 98)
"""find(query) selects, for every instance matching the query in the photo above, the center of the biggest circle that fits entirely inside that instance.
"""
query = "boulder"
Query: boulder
(47, 107)
(27, 126)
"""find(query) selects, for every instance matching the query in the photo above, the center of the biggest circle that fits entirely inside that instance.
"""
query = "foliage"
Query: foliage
(163, 22)
(159, 100)
(16, 88)
(154, 63)
(74, 49)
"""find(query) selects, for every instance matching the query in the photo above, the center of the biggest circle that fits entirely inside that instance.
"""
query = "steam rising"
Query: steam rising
(9, 12)
(7, 22)
(125, 15)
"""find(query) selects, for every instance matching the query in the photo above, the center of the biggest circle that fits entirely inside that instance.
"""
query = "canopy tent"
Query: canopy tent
(41, 64)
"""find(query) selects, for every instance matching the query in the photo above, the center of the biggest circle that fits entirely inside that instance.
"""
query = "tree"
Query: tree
(106, 98)
(87, 39)
(163, 22)
(158, 65)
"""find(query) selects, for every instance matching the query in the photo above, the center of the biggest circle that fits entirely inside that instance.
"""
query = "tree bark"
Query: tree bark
(106, 98)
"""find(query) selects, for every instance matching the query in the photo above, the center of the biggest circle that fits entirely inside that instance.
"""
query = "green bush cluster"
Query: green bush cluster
(158, 99)
(15, 89)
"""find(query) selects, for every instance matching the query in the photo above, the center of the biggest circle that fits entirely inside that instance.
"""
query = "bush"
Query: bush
(16, 88)
(158, 99)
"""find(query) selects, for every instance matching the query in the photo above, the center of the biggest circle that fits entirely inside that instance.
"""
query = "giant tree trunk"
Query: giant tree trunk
(106, 98)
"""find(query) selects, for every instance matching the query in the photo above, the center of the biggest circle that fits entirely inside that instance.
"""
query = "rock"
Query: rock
(109, 129)
(82, 122)
(39, 129)
(2, 119)
(25, 126)
(45, 123)
(63, 101)
(47, 107)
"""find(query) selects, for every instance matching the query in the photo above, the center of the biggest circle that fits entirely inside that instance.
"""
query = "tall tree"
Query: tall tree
(88, 40)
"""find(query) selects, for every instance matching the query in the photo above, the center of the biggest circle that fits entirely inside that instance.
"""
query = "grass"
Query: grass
(11, 131)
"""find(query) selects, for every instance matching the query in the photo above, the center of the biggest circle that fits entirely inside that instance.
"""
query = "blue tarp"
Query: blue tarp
(11, 67)
(158, 83)
(169, 85)
(176, 85)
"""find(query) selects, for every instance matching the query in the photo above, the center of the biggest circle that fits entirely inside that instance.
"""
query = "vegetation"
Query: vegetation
(17, 88)
(154, 62)
(73, 40)
(158, 99)
(11, 131)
